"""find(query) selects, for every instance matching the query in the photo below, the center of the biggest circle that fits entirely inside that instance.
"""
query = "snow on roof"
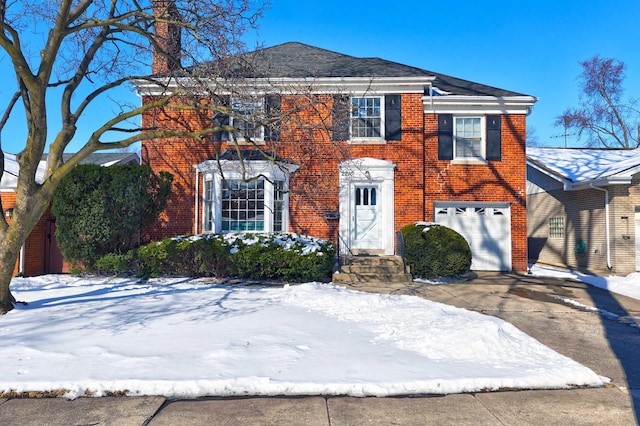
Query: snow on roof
(579, 165)
(12, 170)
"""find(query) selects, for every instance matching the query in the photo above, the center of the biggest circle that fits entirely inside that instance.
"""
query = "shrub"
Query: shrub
(99, 210)
(273, 256)
(198, 256)
(434, 251)
(282, 255)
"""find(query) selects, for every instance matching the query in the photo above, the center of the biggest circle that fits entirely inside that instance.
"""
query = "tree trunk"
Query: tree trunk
(9, 253)
(29, 207)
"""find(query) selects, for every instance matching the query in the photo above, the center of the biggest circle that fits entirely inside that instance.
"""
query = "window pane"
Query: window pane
(246, 118)
(556, 227)
(208, 206)
(278, 206)
(243, 206)
(366, 119)
(468, 137)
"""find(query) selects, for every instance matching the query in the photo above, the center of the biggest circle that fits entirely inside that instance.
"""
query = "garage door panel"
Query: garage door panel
(486, 228)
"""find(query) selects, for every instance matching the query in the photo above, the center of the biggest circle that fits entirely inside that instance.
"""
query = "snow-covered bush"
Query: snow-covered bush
(435, 251)
(282, 255)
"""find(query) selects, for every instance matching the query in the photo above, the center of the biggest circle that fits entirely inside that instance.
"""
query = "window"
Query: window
(366, 197)
(208, 205)
(467, 137)
(247, 118)
(366, 118)
(257, 203)
(556, 227)
(279, 195)
(243, 206)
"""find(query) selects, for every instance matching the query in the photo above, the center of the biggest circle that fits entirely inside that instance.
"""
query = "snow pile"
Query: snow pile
(188, 338)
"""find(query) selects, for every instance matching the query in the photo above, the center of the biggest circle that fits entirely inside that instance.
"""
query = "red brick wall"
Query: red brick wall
(314, 187)
(498, 181)
(35, 245)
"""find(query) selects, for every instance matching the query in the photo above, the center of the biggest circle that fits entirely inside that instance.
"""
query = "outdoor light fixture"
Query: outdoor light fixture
(8, 213)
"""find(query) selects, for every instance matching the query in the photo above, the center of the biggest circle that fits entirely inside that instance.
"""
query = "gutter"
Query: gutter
(606, 222)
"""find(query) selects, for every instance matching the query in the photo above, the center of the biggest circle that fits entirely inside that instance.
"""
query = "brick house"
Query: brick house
(40, 253)
(584, 208)
(362, 147)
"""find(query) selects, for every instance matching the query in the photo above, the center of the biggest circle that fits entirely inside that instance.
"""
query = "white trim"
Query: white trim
(325, 85)
(213, 171)
(464, 104)
(367, 171)
(362, 140)
(483, 141)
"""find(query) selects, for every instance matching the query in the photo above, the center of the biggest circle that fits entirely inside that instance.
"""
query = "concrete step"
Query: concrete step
(371, 278)
(377, 269)
(361, 269)
(375, 260)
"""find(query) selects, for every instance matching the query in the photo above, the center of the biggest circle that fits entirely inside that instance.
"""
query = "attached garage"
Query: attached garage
(487, 229)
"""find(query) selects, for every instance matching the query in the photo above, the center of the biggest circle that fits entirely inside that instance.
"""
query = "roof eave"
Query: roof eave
(460, 104)
(288, 85)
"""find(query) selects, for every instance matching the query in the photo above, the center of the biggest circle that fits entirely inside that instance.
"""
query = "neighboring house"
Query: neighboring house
(584, 208)
(372, 146)
(40, 253)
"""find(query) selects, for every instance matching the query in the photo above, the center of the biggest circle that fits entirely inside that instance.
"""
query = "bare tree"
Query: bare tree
(603, 116)
(72, 54)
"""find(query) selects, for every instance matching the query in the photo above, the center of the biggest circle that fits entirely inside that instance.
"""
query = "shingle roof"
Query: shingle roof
(298, 60)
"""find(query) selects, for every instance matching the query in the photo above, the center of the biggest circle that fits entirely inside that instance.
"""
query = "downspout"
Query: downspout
(606, 222)
(21, 263)
(195, 219)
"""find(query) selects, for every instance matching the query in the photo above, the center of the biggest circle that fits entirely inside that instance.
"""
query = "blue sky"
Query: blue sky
(529, 47)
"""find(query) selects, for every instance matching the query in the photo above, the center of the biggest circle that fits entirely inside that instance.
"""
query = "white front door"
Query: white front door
(366, 207)
(366, 217)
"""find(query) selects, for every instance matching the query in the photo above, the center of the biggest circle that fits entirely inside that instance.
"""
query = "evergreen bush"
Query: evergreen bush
(434, 251)
(100, 210)
(268, 256)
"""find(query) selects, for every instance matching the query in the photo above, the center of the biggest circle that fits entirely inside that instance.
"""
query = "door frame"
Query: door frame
(367, 172)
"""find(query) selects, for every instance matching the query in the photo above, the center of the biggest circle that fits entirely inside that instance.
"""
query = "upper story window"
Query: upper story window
(469, 138)
(256, 119)
(247, 118)
(366, 118)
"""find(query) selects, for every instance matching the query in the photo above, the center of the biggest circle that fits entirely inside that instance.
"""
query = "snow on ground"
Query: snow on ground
(189, 338)
(627, 286)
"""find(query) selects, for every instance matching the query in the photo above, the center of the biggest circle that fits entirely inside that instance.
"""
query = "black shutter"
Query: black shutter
(340, 117)
(272, 108)
(445, 137)
(494, 137)
(393, 117)
(221, 119)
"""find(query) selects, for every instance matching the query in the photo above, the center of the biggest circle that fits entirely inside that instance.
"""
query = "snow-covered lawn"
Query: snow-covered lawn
(190, 338)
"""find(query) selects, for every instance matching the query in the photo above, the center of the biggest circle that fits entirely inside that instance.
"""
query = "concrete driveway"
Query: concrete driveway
(594, 327)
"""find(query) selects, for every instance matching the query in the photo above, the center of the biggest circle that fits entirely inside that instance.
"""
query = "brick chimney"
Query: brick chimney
(166, 57)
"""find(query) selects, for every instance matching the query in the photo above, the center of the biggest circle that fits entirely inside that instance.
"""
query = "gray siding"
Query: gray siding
(584, 219)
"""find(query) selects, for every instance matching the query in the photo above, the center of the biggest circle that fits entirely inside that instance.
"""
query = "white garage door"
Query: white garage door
(487, 228)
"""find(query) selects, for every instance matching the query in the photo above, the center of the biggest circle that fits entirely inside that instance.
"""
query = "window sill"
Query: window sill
(367, 142)
(249, 143)
(470, 161)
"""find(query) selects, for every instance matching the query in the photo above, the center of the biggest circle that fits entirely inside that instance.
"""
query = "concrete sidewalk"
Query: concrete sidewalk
(591, 326)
